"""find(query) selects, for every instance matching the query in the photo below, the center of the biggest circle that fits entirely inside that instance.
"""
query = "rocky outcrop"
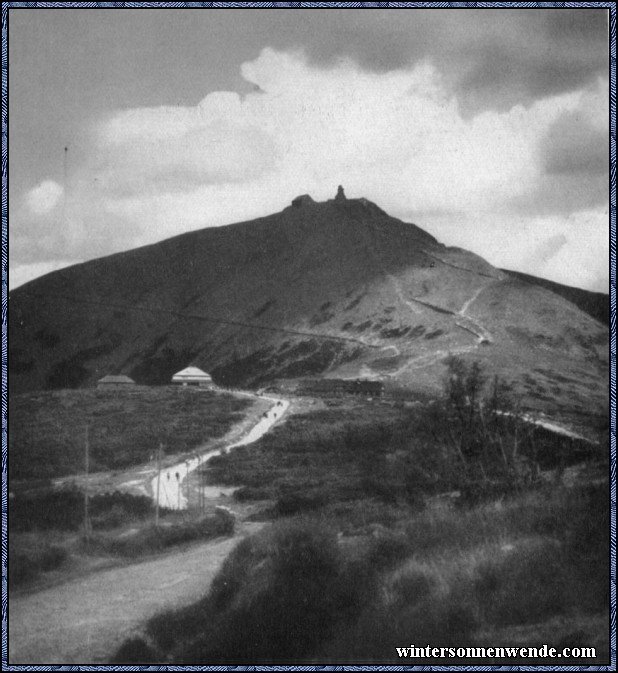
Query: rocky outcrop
(302, 200)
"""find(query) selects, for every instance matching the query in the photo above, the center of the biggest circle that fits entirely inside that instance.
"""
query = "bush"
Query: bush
(153, 539)
(387, 548)
(524, 585)
(248, 493)
(51, 509)
(296, 503)
(134, 651)
(413, 585)
(278, 596)
(25, 565)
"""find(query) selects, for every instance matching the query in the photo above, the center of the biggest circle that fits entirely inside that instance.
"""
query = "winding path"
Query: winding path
(168, 488)
(84, 620)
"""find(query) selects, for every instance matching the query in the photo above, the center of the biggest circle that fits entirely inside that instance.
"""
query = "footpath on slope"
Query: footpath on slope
(462, 319)
(170, 488)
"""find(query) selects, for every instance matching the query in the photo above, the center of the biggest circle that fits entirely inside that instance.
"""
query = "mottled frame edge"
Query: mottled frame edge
(5, 6)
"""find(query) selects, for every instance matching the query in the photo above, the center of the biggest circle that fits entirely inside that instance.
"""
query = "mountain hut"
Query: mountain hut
(115, 382)
(193, 376)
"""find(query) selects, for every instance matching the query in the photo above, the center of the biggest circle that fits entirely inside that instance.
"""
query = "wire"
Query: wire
(194, 316)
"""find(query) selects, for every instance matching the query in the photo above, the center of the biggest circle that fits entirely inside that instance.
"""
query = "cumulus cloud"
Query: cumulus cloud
(397, 137)
(492, 60)
(44, 197)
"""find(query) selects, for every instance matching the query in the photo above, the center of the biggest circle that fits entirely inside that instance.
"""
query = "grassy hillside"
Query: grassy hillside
(595, 304)
(531, 572)
(439, 524)
(335, 288)
(48, 429)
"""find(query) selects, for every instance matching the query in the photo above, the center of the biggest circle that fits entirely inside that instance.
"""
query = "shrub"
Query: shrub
(296, 503)
(151, 539)
(388, 547)
(524, 585)
(278, 596)
(414, 585)
(247, 493)
(51, 509)
(25, 565)
(21, 567)
(134, 651)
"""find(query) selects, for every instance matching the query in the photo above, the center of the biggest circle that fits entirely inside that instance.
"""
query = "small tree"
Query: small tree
(485, 427)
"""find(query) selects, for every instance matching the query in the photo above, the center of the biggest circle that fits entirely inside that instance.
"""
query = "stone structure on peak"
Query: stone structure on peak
(340, 194)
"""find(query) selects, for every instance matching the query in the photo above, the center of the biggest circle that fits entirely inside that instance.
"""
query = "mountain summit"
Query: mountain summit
(337, 288)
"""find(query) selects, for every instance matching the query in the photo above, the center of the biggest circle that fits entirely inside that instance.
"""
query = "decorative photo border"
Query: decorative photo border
(6, 8)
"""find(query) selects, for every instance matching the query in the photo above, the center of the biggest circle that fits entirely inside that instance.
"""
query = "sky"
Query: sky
(487, 128)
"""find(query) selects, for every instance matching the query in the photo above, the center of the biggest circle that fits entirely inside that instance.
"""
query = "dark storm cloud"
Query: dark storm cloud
(572, 145)
(575, 168)
(492, 59)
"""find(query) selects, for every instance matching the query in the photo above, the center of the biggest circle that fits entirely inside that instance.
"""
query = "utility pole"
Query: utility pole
(86, 485)
(158, 484)
(200, 494)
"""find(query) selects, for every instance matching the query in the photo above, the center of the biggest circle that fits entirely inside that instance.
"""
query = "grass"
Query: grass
(279, 594)
(121, 527)
(299, 592)
(51, 509)
(48, 429)
(27, 561)
(372, 457)
(371, 548)
(151, 539)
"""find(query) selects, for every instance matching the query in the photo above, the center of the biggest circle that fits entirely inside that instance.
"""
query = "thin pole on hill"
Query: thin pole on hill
(86, 485)
(158, 484)
(200, 492)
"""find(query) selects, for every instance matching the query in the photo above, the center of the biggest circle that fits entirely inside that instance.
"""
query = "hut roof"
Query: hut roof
(191, 374)
(116, 378)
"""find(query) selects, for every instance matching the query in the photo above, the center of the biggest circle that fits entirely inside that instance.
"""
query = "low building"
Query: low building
(338, 387)
(193, 376)
(115, 381)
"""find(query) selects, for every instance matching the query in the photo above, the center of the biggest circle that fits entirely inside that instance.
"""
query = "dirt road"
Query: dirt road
(85, 620)
(169, 486)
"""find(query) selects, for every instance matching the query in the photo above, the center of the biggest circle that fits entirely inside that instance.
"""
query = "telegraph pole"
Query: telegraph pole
(86, 485)
(200, 494)
(158, 485)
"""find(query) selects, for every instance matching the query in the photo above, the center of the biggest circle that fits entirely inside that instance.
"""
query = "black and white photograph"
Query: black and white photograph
(308, 335)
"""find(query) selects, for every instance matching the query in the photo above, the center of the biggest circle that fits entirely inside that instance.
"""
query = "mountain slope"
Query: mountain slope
(595, 304)
(337, 288)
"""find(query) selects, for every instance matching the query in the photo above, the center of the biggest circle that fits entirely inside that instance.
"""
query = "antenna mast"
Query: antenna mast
(65, 172)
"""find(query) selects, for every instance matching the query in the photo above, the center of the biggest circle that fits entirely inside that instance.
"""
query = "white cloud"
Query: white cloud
(397, 138)
(44, 197)
(573, 249)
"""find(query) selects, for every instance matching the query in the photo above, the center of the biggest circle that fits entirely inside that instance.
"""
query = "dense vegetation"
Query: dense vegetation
(377, 457)
(47, 529)
(448, 524)
(50, 509)
(48, 430)
(475, 576)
